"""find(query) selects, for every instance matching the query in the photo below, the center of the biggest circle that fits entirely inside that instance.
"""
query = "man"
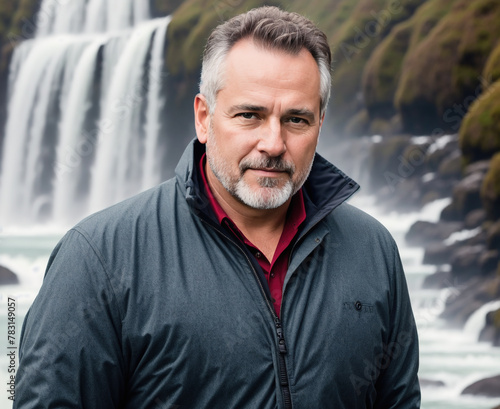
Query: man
(244, 282)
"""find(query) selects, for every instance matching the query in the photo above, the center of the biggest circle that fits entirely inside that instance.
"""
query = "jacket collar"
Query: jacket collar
(325, 189)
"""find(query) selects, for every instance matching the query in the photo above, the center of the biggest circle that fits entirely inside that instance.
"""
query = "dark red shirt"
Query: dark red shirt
(275, 270)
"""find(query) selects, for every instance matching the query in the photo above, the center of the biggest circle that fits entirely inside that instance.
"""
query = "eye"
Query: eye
(247, 115)
(297, 120)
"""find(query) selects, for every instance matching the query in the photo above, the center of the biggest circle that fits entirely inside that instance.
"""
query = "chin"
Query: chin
(264, 198)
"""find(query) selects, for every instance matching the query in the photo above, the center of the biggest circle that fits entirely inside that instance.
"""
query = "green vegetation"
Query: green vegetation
(496, 319)
(384, 68)
(490, 189)
(7, 10)
(17, 23)
(356, 30)
(191, 26)
(491, 71)
(480, 131)
(445, 68)
(19, 20)
(160, 8)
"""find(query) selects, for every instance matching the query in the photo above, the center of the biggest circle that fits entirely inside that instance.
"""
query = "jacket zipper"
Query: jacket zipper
(283, 376)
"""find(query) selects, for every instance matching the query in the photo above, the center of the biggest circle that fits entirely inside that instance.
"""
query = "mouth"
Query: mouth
(268, 172)
(268, 167)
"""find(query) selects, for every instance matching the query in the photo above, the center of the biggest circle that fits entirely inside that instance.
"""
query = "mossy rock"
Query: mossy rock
(7, 10)
(162, 8)
(383, 70)
(364, 25)
(480, 130)
(191, 25)
(384, 163)
(491, 71)
(17, 23)
(451, 167)
(23, 22)
(496, 319)
(493, 236)
(490, 189)
(491, 331)
(359, 124)
(380, 126)
(445, 69)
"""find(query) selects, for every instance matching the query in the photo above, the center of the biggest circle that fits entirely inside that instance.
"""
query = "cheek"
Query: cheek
(303, 155)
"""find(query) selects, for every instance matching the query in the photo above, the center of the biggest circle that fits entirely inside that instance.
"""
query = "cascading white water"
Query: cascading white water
(90, 16)
(34, 95)
(476, 321)
(73, 119)
(151, 173)
(121, 156)
(87, 90)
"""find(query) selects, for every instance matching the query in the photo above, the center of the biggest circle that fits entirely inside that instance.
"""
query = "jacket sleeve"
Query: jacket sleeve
(398, 385)
(70, 348)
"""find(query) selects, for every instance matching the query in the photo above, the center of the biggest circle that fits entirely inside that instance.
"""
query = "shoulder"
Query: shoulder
(349, 216)
(116, 233)
(359, 229)
(146, 207)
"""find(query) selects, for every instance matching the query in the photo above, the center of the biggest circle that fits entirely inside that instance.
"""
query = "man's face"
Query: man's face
(262, 136)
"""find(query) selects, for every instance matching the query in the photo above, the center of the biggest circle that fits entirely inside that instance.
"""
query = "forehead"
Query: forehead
(252, 70)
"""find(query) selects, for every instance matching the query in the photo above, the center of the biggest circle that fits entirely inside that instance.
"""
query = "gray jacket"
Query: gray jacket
(152, 304)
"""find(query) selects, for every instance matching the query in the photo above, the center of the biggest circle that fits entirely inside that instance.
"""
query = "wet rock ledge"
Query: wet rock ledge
(7, 276)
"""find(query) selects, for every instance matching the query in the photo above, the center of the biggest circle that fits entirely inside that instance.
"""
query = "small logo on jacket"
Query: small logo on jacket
(358, 306)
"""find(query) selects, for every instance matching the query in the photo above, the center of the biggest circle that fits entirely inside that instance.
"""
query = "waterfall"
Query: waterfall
(90, 16)
(122, 152)
(477, 320)
(73, 120)
(151, 174)
(84, 110)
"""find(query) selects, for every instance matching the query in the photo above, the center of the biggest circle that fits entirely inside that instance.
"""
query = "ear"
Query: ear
(321, 120)
(201, 118)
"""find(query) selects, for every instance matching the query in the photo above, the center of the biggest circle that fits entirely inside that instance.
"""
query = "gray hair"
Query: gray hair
(272, 28)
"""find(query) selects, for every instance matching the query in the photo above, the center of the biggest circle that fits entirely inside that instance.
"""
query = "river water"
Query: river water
(450, 356)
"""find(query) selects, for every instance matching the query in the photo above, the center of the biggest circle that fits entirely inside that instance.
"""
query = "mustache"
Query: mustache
(277, 164)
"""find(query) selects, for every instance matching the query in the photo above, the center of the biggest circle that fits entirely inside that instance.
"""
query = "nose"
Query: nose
(272, 139)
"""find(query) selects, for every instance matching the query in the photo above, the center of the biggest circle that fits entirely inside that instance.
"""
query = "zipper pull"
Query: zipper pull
(281, 338)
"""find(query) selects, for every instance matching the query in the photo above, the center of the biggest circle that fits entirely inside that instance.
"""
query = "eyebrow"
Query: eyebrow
(248, 107)
(291, 112)
(303, 113)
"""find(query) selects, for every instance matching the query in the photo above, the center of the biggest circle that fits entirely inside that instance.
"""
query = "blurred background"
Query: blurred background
(96, 105)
